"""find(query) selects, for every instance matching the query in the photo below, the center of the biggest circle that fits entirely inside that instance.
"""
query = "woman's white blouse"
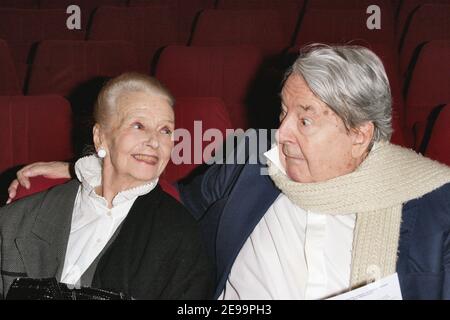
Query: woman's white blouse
(93, 223)
(293, 254)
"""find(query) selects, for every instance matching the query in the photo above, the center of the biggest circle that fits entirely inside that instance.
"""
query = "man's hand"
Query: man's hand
(52, 170)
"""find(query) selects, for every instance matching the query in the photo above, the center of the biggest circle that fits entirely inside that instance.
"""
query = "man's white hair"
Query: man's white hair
(352, 81)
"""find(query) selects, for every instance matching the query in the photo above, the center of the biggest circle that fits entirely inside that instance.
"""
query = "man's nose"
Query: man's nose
(285, 130)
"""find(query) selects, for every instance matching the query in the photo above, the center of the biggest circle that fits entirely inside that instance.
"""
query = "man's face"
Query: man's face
(314, 143)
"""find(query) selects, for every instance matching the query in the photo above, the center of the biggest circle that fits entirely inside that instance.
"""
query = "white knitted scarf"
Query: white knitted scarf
(376, 191)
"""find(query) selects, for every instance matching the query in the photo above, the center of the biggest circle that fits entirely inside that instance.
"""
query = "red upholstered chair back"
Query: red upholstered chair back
(289, 10)
(196, 116)
(149, 28)
(24, 29)
(430, 81)
(19, 4)
(34, 129)
(9, 82)
(38, 184)
(224, 72)
(282, 5)
(342, 26)
(87, 7)
(439, 145)
(429, 22)
(264, 29)
(61, 66)
(185, 12)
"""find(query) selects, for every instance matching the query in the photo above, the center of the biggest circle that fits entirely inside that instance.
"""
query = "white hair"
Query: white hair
(106, 105)
(352, 81)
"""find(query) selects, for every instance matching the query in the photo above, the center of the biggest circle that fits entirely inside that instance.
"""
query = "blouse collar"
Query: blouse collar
(89, 172)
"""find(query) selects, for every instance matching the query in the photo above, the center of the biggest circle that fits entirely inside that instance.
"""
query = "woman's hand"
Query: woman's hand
(52, 170)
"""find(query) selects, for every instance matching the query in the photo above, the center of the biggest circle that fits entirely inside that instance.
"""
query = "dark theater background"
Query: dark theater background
(222, 59)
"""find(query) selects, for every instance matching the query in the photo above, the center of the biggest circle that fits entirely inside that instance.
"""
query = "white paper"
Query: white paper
(384, 289)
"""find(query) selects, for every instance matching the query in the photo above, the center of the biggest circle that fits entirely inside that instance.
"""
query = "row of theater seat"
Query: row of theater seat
(25, 139)
(40, 128)
(230, 73)
(438, 136)
(290, 23)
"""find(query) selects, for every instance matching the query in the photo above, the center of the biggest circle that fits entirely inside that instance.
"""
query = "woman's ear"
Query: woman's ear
(362, 137)
(97, 136)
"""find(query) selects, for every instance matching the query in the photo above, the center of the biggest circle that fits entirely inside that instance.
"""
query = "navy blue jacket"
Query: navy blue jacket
(230, 199)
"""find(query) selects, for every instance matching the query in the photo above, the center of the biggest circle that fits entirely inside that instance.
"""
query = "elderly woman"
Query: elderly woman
(112, 227)
(341, 205)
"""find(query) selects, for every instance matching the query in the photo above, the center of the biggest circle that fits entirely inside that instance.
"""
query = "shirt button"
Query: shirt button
(99, 240)
(109, 213)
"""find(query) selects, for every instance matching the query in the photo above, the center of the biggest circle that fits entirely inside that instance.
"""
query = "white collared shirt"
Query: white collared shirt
(93, 223)
(293, 253)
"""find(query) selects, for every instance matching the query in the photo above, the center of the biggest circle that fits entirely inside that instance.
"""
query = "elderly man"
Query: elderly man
(341, 205)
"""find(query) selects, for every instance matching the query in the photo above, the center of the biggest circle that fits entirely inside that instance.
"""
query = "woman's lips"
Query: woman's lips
(147, 159)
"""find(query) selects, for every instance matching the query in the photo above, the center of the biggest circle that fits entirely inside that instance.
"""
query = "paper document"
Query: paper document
(384, 289)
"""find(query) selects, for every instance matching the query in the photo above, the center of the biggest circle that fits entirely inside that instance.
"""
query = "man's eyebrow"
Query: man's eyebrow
(306, 107)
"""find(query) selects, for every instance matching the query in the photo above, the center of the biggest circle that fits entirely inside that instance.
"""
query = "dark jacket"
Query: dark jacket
(230, 199)
(167, 259)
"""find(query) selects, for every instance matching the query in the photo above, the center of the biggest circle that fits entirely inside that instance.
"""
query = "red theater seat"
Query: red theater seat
(407, 8)
(429, 22)
(265, 29)
(430, 81)
(38, 184)
(289, 10)
(225, 72)
(9, 83)
(386, 6)
(34, 129)
(149, 28)
(281, 5)
(87, 7)
(439, 145)
(19, 4)
(349, 4)
(185, 11)
(23, 29)
(60, 66)
(402, 135)
(210, 113)
(342, 26)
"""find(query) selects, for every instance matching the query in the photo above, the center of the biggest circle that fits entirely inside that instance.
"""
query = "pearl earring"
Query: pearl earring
(101, 153)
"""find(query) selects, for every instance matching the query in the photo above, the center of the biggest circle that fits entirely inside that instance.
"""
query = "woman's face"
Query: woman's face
(138, 140)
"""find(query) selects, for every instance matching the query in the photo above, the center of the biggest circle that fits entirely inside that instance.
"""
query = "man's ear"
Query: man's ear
(362, 137)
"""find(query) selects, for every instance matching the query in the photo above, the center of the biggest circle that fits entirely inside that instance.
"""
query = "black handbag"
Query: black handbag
(51, 289)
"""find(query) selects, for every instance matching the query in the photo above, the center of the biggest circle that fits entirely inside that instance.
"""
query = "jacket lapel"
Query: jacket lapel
(43, 250)
(409, 216)
(248, 202)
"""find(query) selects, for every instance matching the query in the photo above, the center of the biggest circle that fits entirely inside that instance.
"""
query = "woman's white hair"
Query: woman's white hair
(352, 81)
(106, 105)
